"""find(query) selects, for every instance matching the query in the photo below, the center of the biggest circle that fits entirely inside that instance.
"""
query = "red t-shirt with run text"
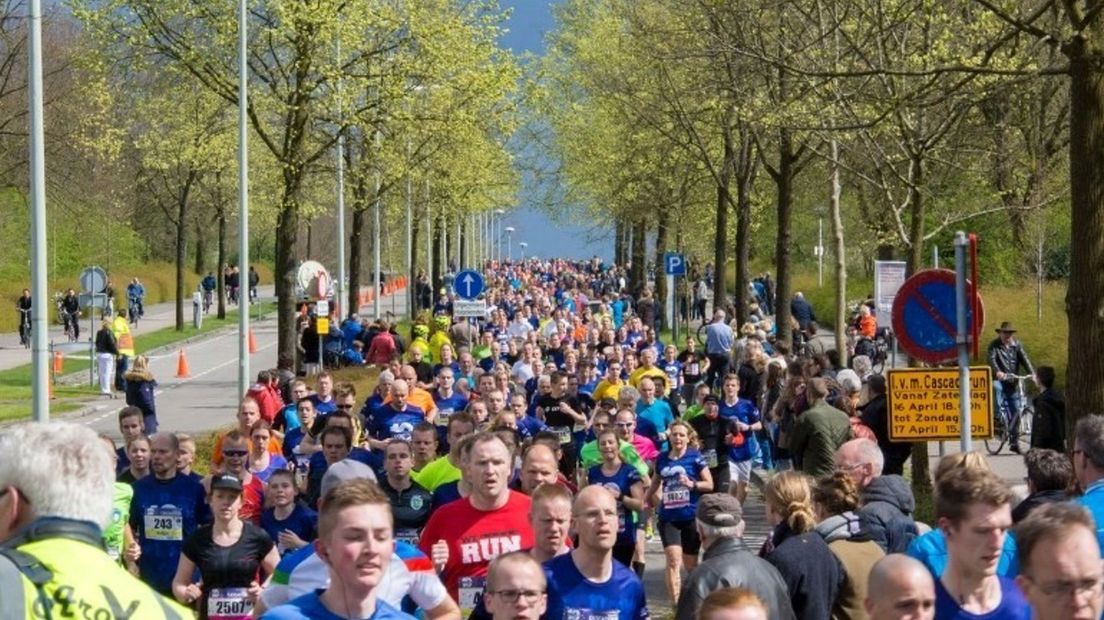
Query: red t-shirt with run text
(476, 537)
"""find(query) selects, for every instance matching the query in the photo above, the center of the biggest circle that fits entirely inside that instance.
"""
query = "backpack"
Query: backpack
(14, 565)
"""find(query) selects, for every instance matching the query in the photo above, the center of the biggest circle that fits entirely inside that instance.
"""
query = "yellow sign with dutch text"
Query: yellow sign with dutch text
(923, 403)
(323, 326)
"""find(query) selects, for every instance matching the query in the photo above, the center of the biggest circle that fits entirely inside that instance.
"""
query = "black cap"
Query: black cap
(226, 482)
(710, 398)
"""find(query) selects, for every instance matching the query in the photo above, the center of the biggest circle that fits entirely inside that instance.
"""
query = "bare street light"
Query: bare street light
(522, 245)
(510, 243)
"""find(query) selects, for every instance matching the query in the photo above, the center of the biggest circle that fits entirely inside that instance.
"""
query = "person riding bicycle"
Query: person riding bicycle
(70, 307)
(1006, 355)
(23, 305)
(135, 294)
(209, 284)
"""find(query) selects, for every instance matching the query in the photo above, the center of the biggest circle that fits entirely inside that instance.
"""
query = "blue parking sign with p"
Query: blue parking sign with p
(674, 263)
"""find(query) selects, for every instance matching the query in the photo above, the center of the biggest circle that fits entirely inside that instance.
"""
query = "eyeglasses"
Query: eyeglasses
(233, 453)
(1066, 588)
(512, 596)
(624, 425)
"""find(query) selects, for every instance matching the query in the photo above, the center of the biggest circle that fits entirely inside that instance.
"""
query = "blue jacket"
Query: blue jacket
(1093, 501)
(931, 549)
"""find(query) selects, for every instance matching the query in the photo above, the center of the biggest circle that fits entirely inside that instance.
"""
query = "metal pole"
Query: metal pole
(409, 236)
(40, 368)
(963, 340)
(339, 292)
(376, 233)
(459, 243)
(443, 267)
(243, 202)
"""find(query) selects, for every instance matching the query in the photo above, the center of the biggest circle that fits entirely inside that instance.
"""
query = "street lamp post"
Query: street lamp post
(522, 245)
(510, 243)
(243, 198)
(497, 234)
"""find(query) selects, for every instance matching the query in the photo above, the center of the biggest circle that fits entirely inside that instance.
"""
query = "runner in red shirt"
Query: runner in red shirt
(464, 536)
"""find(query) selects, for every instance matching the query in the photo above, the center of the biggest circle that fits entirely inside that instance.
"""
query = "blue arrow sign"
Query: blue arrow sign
(468, 284)
(674, 264)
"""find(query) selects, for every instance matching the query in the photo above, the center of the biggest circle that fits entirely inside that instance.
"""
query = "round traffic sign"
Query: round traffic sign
(468, 284)
(924, 320)
(93, 280)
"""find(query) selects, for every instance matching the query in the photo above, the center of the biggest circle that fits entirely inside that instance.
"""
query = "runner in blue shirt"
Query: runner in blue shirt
(448, 402)
(682, 475)
(743, 420)
(624, 482)
(167, 507)
(587, 584)
(355, 538)
(395, 419)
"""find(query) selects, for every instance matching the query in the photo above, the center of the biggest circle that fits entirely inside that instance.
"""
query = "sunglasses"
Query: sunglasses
(235, 452)
(343, 407)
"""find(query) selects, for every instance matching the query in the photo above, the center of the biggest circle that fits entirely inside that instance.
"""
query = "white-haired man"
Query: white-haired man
(56, 488)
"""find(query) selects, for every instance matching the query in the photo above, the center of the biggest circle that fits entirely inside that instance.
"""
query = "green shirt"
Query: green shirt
(436, 473)
(120, 516)
(692, 412)
(590, 456)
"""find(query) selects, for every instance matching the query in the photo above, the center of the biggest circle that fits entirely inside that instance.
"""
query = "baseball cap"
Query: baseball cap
(719, 510)
(343, 470)
(226, 482)
(710, 398)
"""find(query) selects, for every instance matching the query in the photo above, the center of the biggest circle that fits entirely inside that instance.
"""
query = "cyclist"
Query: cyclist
(208, 285)
(70, 311)
(135, 294)
(23, 305)
(1006, 355)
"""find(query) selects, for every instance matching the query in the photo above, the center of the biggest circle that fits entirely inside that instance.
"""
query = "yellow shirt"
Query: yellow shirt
(605, 389)
(123, 339)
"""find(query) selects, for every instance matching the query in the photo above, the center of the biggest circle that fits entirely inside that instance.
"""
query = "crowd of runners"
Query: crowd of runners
(518, 466)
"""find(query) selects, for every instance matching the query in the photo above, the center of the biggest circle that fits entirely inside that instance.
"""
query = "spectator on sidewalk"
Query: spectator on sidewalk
(886, 502)
(1049, 475)
(819, 432)
(727, 562)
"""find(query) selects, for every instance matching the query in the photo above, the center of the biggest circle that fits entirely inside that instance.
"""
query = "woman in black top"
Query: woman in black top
(230, 555)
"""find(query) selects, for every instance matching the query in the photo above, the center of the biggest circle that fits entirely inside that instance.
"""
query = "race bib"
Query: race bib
(577, 613)
(471, 588)
(443, 417)
(693, 370)
(229, 604)
(710, 458)
(407, 535)
(563, 433)
(675, 496)
(164, 526)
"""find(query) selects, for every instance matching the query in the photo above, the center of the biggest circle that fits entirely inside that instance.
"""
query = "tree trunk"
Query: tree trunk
(921, 467)
(310, 239)
(1085, 295)
(720, 223)
(181, 256)
(221, 258)
(745, 176)
(287, 232)
(784, 183)
(619, 242)
(200, 249)
(841, 256)
(356, 255)
(637, 276)
(661, 276)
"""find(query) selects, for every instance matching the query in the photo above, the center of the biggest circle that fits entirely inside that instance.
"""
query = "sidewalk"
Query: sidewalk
(158, 316)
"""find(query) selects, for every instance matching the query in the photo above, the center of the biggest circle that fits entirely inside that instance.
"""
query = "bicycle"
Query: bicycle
(1003, 421)
(25, 327)
(133, 305)
(72, 325)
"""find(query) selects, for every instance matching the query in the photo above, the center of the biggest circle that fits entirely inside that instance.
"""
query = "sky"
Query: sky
(547, 237)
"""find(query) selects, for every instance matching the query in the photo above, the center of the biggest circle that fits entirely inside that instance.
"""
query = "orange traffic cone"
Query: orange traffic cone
(252, 342)
(182, 371)
(59, 363)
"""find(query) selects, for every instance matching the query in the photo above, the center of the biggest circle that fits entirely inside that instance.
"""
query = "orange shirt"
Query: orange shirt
(275, 447)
